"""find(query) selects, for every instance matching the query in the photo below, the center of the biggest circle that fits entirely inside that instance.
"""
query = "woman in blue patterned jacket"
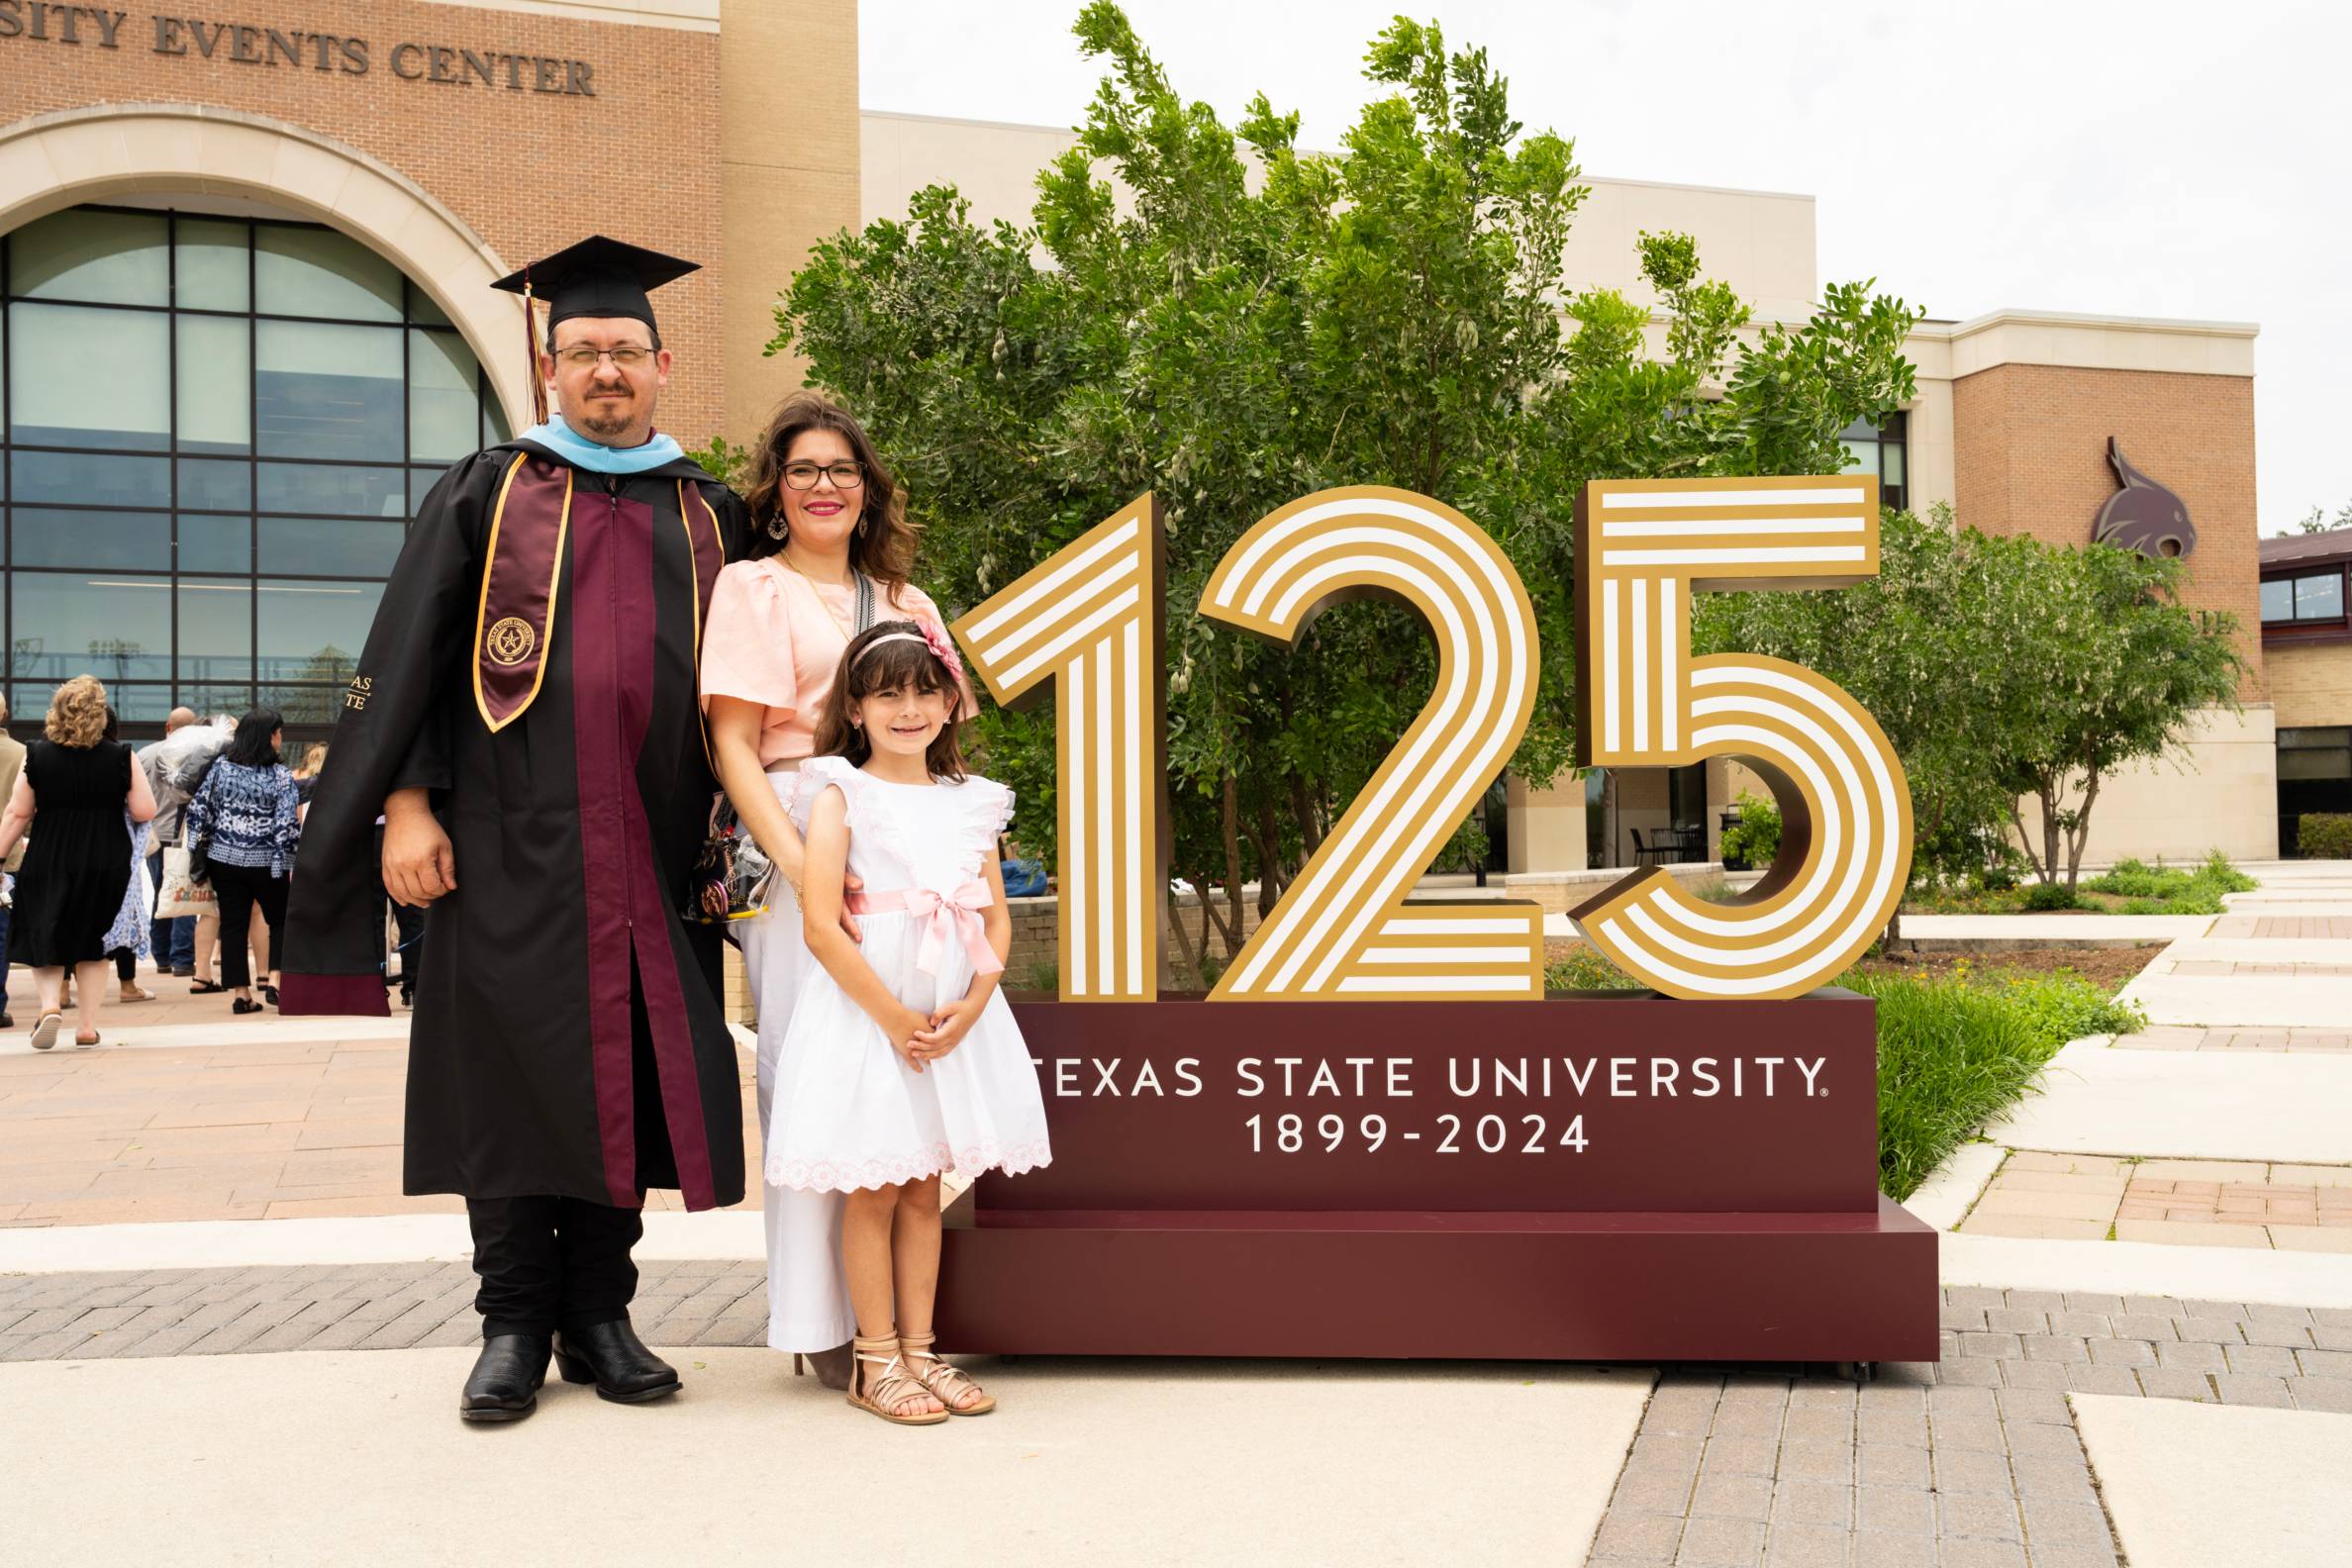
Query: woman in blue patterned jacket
(244, 821)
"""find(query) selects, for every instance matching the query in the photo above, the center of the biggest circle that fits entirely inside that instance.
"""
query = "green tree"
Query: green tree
(1249, 324)
(2111, 667)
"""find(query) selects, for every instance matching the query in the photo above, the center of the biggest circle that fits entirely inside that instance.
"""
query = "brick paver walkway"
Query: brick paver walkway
(2195, 1203)
(1970, 1462)
(2288, 927)
(261, 1129)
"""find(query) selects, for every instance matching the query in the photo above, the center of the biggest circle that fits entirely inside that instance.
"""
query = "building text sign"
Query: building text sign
(293, 49)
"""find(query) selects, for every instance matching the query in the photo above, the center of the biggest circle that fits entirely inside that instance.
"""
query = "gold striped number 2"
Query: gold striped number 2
(1087, 619)
(1343, 929)
(1643, 549)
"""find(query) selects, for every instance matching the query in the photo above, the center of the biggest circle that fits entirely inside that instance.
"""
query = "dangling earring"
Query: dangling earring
(778, 528)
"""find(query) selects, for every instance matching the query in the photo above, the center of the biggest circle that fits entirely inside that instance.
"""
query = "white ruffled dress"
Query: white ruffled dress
(847, 1111)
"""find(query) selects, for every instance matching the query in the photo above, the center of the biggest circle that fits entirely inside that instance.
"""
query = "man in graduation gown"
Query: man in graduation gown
(525, 722)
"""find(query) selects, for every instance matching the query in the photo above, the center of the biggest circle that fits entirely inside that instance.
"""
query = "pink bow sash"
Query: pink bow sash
(955, 914)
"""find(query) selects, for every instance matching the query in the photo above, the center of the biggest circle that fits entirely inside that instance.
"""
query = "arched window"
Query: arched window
(215, 429)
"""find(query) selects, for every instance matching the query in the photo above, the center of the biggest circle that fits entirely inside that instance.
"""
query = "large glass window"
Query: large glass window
(1882, 450)
(2312, 596)
(212, 432)
(2314, 775)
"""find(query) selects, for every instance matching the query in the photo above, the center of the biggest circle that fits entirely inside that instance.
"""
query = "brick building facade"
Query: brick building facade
(456, 141)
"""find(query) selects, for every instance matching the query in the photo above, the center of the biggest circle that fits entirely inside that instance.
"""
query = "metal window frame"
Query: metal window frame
(181, 684)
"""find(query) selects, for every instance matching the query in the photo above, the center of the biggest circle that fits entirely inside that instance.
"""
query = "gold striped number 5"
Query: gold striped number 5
(1643, 549)
(1087, 619)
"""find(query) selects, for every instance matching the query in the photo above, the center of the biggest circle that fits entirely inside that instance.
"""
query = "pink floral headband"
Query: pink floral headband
(930, 634)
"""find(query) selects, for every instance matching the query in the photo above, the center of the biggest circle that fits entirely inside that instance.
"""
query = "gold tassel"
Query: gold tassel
(538, 382)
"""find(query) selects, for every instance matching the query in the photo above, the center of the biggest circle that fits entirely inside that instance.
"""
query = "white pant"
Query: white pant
(808, 1295)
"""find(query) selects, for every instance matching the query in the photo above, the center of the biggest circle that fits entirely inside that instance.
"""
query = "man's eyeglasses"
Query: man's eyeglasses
(802, 475)
(628, 356)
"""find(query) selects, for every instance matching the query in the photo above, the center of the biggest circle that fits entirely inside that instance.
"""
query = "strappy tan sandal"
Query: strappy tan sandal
(943, 1379)
(894, 1384)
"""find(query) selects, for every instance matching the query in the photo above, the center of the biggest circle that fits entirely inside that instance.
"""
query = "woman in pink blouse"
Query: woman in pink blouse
(831, 554)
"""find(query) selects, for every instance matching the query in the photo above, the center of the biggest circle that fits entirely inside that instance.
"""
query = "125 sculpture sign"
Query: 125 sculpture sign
(1471, 1168)
(1086, 623)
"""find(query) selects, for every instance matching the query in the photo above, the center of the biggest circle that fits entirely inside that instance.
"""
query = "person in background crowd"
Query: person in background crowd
(306, 778)
(216, 733)
(184, 741)
(79, 784)
(245, 814)
(127, 938)
(12, 764)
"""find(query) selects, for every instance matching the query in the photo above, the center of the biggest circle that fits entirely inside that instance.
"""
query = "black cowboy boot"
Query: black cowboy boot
(612, 1356)
(505, 1382)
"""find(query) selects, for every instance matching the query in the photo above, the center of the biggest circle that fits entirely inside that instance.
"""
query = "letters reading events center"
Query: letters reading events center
(246, 257)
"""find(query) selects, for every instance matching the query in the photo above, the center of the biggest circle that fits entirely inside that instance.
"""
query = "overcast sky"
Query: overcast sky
(2153, 159)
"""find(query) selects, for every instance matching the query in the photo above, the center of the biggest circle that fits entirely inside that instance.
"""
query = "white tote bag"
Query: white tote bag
(180, 895)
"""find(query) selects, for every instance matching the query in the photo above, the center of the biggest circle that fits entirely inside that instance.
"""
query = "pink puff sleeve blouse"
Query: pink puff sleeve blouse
(776, 639)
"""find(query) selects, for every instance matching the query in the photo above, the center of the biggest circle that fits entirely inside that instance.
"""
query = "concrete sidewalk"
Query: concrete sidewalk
(356, 1454)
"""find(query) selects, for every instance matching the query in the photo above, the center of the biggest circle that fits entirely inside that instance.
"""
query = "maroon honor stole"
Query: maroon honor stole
(525, 561)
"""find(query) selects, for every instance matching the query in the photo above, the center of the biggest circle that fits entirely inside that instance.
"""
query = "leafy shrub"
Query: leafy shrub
(1584, 969)
(2228, 878)
(2169, 890)
(2325, 835)
(1954, 1053)
(1754, 839)
(2051, 896)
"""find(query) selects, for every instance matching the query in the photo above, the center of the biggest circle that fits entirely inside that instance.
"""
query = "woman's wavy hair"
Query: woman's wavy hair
(77, 713)
(885, 551)
(894, 664)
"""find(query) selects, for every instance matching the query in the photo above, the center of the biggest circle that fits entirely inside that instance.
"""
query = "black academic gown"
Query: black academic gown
(569, 1036)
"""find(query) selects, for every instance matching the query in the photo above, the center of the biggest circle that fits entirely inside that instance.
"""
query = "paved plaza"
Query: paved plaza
(2146, 1343)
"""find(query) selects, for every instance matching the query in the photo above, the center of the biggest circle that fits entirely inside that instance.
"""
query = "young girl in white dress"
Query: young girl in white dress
(901, 1061)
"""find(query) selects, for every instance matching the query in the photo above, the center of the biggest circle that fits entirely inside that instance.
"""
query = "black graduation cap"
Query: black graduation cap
(599, 276)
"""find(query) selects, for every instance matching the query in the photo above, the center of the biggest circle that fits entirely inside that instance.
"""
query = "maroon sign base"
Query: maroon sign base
(1585, 1177)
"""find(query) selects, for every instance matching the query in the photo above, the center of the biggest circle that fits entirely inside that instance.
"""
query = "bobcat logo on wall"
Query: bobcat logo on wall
(2143, 515)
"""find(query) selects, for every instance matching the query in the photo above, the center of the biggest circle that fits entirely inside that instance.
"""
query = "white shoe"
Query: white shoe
(44, 1032)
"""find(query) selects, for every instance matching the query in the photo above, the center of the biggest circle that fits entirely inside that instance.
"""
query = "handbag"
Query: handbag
(182, 894)
(732, 877)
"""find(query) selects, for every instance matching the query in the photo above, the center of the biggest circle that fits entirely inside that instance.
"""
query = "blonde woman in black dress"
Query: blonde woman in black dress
(75, 788)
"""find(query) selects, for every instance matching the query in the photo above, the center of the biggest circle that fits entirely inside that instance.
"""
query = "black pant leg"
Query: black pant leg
(270, 892)
(234, 889)
(411, 924)
(520, 1263)
(125, 965)
(600, 1278)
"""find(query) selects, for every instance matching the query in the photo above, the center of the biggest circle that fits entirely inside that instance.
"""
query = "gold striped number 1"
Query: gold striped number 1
(1643, 548)
(1087, 622)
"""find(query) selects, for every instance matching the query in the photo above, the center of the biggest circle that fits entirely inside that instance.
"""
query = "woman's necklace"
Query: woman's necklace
(861, 599)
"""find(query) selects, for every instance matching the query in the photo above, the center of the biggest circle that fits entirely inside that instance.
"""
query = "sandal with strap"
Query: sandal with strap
(893, 1386)
(945, 1379)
